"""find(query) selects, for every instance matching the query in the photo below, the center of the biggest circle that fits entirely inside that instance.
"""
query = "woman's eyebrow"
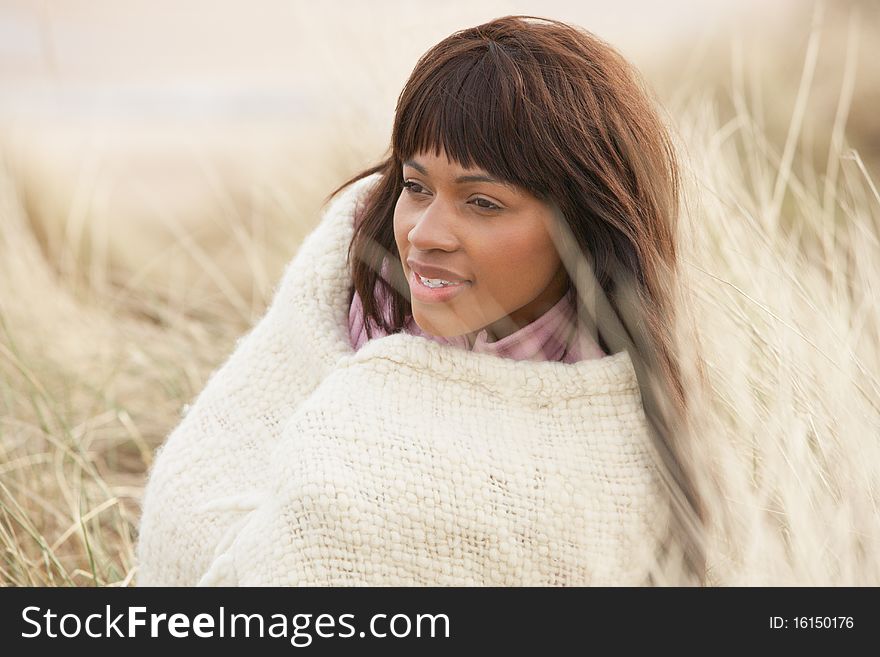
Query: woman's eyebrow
(461, 179)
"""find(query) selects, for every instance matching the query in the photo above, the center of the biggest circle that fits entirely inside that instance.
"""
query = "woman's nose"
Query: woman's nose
(433, 227)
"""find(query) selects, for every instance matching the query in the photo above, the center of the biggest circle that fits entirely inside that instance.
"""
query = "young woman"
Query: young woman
(504, 404)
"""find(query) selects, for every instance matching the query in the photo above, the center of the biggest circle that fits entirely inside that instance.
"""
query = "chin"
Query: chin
(439, 329)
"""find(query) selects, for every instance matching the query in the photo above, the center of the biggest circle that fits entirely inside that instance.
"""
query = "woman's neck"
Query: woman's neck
(521, 318)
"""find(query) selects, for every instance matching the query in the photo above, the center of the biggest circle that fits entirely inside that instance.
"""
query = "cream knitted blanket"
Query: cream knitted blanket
(406, 463)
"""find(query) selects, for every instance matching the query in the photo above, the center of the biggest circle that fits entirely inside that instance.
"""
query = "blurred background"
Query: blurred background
(161, 161)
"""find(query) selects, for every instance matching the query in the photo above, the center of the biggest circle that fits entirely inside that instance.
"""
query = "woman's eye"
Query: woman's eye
(489, 205)
(415, 188)
(411, 186)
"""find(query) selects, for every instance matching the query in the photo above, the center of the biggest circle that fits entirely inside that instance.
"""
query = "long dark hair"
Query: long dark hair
(559, 113)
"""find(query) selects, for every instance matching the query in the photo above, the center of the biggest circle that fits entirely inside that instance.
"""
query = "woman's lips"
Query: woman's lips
(427, 294)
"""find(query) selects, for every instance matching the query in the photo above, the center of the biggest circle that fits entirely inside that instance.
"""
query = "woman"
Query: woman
(504, 404)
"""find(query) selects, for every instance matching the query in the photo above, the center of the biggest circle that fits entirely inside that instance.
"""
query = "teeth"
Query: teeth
(435, 282)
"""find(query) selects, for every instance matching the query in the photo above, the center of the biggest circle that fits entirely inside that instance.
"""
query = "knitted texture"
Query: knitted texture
(407, 462)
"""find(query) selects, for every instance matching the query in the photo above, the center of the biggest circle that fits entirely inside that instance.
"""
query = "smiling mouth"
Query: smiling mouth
(424, 292)
(438, 282)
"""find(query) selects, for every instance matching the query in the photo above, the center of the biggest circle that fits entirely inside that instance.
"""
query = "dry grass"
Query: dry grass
(784, 269)
(105, 335)
(786, 303)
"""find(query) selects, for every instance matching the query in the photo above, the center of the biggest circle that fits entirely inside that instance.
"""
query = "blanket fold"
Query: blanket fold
(406, 463)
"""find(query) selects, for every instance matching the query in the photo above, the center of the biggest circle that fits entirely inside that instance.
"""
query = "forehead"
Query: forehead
(439, 158)
(429, 164)
(427, 168)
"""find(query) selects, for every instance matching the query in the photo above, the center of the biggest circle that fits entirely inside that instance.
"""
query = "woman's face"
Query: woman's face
(493, 239)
